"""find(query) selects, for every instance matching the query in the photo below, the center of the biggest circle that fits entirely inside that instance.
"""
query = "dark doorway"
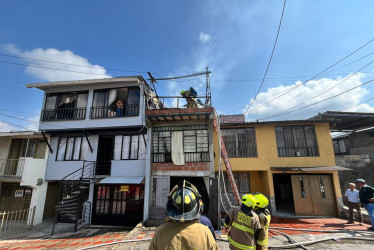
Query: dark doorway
(199, 183)
(283, 194)
(118, 204)
(104, 155)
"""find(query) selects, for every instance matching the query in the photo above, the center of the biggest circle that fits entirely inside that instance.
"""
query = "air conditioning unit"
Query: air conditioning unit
(39, 181)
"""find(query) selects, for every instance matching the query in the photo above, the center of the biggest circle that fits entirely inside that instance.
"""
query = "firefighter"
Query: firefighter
(182, 230)
(263, 213)
(244, 223)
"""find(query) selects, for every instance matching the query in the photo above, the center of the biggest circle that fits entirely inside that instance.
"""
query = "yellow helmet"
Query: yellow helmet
(262, 201)
(249, 200)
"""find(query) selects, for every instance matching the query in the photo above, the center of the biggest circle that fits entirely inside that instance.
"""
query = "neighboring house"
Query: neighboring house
(353, 149)
(23, 160)
(291, 162)
(182, 149)
(98, 147)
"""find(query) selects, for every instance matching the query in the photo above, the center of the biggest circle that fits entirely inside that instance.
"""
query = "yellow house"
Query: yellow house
(291, 162)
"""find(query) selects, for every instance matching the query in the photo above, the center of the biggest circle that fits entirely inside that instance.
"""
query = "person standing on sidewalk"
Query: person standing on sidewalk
(244, 224)
(352, 198)
(182, 230)
(366, 197)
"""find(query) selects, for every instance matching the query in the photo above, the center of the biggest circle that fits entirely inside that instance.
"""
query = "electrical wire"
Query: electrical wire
(320, 73)
(85, 66)
(284, 113)
(271, 57)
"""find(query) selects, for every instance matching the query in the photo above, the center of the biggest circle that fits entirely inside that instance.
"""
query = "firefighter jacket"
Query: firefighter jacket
(174, 235)
(244, 223)
(262, 234)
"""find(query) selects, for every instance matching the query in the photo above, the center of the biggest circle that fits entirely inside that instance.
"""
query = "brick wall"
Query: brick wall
(191, 166)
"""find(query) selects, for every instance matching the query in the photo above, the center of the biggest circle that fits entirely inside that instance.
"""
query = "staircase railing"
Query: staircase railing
(70, 187)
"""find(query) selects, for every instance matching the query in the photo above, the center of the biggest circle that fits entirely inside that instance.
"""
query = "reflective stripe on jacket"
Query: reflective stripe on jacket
(262, 234)
(243, 228)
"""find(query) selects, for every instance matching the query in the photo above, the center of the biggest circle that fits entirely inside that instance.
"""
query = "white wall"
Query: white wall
(128, 168)
(4, 147)
(33, 170)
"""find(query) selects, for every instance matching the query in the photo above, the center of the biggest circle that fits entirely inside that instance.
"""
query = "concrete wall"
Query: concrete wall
(128, 168)
(4, 147)
(34, 169)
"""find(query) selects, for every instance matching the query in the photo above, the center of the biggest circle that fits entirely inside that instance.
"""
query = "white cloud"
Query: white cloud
(204, 38)
(301, 96)
(6, 127)
(34, 123)
(75, 64)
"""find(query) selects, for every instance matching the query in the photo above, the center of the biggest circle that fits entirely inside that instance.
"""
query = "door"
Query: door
(104, 155)
(119, 204)
(214, 207)
(302, 195)
(160, 192)
(313, 195)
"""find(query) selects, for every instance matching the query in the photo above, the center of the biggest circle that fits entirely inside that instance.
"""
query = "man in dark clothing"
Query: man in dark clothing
(367, 199)
(205, 220)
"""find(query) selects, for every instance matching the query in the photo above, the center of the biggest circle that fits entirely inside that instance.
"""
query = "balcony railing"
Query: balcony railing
(188, 157)
(113, 111)
(63, 114)
(12, 168)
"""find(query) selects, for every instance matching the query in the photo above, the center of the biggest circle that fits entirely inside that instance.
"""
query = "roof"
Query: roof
(19, 133)
(46, 85)
(231, 118)
(286, 122)
(348, 121)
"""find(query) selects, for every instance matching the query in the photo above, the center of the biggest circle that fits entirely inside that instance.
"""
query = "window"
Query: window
(302, 189)
(32, 147)
(117, 102)
(241, 180)
(296, 141)
(240, 142)
(195, 143)
(72, 149)
(129, 147)
(65, 106)
(322, 187)
(339, 146)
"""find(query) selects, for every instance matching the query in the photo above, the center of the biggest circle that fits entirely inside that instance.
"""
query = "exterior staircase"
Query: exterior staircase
(74, 206)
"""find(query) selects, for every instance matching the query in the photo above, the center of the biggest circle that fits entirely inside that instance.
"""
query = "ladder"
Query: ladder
(226, 160)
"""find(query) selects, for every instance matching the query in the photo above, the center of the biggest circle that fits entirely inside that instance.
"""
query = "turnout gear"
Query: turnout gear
(244, 223)
(264, 216)
(183, 204)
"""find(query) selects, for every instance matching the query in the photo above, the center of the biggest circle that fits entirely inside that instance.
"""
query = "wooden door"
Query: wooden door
(313, 195)
(302, 195)
(323, 195)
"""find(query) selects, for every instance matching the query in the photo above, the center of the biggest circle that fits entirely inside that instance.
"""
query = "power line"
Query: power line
(284, 113)
(320, 73)
(271, 57)
(78, 65)
(12, 86)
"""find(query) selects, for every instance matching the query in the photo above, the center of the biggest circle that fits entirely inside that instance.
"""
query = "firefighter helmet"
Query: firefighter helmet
(183, 203)
(249, 200)
(262, 200)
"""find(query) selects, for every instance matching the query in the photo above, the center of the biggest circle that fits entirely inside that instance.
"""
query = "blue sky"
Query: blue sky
(171, 38)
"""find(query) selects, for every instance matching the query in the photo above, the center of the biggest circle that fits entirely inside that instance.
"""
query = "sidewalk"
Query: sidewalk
(96, 236)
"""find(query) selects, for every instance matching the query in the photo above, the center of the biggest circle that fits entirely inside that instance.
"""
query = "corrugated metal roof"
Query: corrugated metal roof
(275, 122)
(232, 118)
(311, 169)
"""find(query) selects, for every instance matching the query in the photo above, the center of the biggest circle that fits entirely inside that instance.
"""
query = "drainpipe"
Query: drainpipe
(147, 175)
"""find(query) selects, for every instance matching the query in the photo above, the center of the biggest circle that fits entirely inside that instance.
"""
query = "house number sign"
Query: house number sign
(124, 188)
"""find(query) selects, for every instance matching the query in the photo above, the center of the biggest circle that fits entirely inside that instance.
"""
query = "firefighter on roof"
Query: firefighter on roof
(264, 216)
(244, 223)
(182, 230)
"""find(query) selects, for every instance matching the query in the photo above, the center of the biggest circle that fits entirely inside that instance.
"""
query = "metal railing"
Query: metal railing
(188, 157)
(17, 221)
(12, 168)
(113, 111)
(178, 102)
(63, 114)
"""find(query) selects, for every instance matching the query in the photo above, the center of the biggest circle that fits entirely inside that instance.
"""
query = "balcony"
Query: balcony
(188, 157)
(113, 111)
(63, 114)
(11, 168)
